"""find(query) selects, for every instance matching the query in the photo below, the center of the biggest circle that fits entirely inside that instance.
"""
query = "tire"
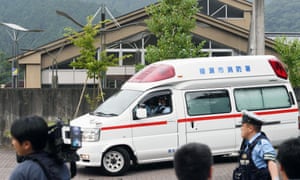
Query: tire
(115, 162)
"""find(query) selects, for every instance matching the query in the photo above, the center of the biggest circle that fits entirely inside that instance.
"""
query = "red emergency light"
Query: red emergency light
(278, 68)
(154, 73)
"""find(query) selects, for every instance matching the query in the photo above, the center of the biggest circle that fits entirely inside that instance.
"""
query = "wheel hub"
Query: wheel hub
(113, 161)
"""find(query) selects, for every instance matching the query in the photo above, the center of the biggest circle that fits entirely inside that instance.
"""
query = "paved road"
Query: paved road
(222, 169)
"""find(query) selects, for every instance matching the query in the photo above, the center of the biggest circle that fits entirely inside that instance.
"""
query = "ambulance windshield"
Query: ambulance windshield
(117, 103)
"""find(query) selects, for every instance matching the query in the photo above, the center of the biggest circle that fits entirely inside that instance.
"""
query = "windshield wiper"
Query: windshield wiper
(104, 114)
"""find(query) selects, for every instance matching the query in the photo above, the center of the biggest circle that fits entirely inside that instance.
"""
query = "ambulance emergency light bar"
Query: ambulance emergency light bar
(154, 72)
(278, 68)
(157, 72)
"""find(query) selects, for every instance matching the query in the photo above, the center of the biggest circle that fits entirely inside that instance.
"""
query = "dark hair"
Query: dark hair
(31, 128)
(289, 157)
(193, 162)
(257, 128)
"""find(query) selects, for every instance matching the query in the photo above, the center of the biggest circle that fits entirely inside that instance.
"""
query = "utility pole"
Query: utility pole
(14, 33)
(257, 29)
(102, 10)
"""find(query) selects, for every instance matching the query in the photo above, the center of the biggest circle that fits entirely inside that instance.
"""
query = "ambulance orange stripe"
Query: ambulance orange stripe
(209, 118)
(135, 125)
(236, 115)
(277, 111)
(214, 117)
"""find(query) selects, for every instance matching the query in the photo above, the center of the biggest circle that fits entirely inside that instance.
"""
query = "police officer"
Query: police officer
(257, 160)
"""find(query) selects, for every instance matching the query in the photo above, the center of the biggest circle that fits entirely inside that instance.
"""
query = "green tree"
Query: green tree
(289, 51)
(5, 69)
(171, 21)
(87, 60)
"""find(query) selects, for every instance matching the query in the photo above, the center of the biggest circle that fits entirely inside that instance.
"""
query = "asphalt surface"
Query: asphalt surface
(222, 169)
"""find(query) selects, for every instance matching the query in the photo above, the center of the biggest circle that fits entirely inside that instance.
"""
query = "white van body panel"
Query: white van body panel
(156, 138)
(223, 67)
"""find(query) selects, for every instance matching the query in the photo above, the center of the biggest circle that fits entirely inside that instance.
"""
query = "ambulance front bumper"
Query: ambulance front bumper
(90, 154)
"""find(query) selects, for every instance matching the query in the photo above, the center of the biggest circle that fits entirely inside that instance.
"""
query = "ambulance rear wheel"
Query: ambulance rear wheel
(115, 162)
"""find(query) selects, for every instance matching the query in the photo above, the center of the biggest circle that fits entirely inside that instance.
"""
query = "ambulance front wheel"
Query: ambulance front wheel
(115, 162)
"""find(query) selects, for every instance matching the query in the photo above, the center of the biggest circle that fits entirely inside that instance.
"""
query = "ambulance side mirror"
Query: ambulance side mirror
(141, 113)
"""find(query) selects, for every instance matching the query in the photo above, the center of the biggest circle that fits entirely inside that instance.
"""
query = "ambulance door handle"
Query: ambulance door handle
(238, 125)
(192, 124)
(271, 123)
(265, 123)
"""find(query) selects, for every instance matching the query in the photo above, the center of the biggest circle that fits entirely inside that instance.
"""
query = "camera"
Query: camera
(62, 145)
(64, 141)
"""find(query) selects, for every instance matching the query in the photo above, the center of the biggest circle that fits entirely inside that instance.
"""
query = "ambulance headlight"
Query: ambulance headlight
(90, 134)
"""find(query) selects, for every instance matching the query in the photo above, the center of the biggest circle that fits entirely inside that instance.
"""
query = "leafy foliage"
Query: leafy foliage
(280, 16)
(85, 40)
(40, 14)
(171, 22)
(289, 51)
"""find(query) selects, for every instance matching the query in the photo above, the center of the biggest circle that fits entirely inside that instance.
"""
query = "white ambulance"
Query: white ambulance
(202, 100)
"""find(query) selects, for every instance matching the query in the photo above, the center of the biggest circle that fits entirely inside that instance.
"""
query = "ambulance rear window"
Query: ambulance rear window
(154, 73)
(261, 98)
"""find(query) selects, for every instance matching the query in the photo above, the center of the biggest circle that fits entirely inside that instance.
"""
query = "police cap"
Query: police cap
(251, 118)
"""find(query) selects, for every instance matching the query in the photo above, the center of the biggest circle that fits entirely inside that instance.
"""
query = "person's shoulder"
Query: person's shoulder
(167, 107)
(26, 170)
(261, 139)
(59, 171)
(266, 146)
(51, 163)
(28, 164)
(55, 169)
(264, 141)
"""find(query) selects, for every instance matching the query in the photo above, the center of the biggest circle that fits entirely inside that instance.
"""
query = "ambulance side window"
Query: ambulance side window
(208, 102)
(156, 103)
(260, 98)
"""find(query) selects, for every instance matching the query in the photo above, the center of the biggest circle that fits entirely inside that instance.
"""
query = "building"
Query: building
(288, 35)
(223, 24)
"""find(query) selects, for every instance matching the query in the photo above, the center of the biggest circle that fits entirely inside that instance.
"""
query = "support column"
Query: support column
(257, 29)
(260, 37)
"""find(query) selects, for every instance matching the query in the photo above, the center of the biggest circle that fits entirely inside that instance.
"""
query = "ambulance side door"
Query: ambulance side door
(155, 136)
(210, 120)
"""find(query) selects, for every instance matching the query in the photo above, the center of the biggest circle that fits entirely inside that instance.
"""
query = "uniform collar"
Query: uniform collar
(254, 137)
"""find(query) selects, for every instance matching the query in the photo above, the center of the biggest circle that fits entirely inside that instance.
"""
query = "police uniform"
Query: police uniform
(255, 152)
